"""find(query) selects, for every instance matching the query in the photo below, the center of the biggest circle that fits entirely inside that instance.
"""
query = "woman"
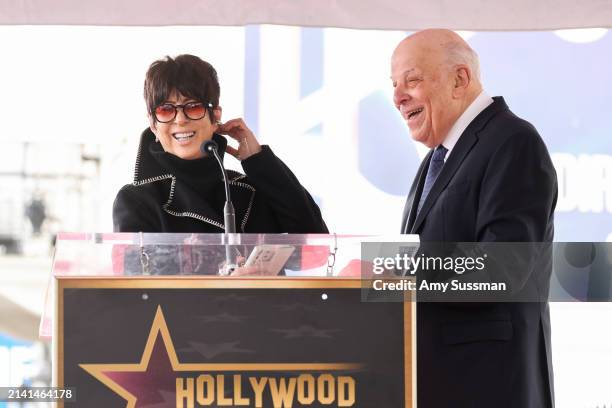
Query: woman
(177, 189)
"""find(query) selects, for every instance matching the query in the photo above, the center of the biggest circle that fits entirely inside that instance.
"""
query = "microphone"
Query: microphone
(229, 216)
(210, 147)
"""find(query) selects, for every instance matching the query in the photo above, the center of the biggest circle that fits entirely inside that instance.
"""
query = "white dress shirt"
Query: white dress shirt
(478, 105)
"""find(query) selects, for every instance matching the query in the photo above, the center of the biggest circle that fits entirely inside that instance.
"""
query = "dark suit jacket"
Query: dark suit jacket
(498, 185)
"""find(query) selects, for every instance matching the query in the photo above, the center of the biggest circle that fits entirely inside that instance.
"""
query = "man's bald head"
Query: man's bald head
(445, 46)
(435, 74)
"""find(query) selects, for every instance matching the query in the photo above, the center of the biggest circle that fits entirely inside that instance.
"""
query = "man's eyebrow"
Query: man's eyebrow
(406, 72)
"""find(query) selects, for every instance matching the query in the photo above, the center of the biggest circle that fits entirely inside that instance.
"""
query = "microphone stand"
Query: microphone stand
(229, 215)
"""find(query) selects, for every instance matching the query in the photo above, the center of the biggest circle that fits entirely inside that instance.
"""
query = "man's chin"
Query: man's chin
(422, 139)
(418, 136)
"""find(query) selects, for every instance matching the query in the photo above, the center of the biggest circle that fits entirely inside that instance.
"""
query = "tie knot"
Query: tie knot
(439, 153)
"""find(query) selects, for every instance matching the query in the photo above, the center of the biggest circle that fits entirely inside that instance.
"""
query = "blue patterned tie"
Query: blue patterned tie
(435, 165)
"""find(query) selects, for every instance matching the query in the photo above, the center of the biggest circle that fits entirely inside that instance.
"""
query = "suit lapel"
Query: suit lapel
(466, 142)
(415, 191)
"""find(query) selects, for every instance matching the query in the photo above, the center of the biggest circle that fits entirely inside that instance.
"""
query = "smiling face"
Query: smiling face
(182, 136)
(178, 81)
(424, 91)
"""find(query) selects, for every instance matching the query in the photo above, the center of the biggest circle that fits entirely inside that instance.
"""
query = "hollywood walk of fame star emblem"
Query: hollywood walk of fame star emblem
(149, 382)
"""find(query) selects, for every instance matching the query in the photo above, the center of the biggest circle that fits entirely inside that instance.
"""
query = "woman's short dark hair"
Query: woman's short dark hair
(189, 75)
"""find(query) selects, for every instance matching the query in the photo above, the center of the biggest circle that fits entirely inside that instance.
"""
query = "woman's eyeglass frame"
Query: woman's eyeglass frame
(186, 108)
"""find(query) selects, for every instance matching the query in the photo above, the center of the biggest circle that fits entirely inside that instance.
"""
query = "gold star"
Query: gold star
(114, 375)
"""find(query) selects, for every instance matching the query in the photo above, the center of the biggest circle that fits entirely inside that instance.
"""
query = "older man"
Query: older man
(487, 178)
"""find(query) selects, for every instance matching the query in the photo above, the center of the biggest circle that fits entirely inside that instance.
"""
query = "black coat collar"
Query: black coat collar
(148, 167)
(181, 199)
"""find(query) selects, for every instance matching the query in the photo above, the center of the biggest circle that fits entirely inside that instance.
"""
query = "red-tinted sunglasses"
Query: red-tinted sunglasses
(166, 112)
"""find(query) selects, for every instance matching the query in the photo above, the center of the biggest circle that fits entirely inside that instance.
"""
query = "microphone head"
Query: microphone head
(208, 147)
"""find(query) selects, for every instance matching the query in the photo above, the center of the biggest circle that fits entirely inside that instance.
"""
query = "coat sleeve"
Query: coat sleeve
(130, 214)
(516, 205)
(292, 205)
(518, 192)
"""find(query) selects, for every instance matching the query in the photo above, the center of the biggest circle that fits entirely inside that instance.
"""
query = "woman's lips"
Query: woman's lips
(183, 137)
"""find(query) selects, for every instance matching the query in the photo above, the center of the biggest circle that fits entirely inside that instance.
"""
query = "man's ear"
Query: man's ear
(463, 78)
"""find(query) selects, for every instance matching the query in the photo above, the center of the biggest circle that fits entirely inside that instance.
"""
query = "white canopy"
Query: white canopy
(379, 14)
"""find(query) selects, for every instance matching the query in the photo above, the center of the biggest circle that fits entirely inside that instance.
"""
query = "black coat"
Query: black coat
(497, 185)
(170, 194)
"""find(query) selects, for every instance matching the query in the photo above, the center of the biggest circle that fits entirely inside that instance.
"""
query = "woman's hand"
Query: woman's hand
(238, 130)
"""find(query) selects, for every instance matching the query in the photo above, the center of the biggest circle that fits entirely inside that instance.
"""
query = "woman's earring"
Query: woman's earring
(157, 139)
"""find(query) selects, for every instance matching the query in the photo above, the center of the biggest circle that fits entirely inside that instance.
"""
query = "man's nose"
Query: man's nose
(399, 96)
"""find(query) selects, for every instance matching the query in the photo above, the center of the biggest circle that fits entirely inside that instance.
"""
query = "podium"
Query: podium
(145, 320)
